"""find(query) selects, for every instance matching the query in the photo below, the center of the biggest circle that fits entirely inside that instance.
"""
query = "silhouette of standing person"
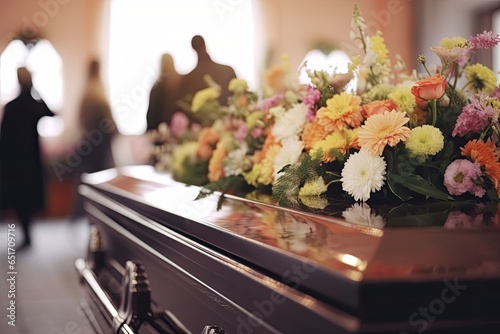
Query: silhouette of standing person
(195, 80)
(22, 181)
(98, 130)
(164, 94)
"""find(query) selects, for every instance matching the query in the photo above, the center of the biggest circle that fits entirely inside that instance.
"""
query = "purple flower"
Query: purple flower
(463, 176)
(312, 96)
(257, 132)
(475, 117)
(241, 132)
(270, 102)
(484, 40)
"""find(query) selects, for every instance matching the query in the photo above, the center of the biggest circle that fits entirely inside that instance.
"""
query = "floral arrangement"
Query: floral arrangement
(376, 133)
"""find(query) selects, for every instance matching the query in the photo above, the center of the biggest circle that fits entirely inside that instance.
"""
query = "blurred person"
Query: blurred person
(195, 80)
(97, 131)
(164, 94)
(22, 179)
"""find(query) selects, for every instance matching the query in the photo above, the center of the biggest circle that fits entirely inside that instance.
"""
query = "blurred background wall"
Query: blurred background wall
(129, 37)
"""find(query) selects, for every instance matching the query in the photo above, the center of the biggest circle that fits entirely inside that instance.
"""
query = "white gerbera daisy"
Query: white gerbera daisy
(363, 174)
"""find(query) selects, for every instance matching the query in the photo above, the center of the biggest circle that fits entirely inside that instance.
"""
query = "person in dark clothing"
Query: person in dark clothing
(98, 129)
(164, 94)
(195, 80)
(21, 172)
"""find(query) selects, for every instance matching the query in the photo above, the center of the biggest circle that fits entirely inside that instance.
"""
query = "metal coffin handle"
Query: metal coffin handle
(135, 299)
(213, 330)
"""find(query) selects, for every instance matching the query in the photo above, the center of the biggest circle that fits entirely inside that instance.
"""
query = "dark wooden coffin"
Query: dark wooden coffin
(161, 262)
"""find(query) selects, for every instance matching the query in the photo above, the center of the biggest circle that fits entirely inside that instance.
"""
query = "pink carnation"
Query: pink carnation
(475, 117)
(462, 176)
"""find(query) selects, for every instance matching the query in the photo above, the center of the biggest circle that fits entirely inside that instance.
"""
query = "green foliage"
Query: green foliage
(286, 188)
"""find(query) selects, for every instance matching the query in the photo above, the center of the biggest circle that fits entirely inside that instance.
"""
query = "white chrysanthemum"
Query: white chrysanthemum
(289, 153)
(291, 122)
(361, 214)
(363, 174)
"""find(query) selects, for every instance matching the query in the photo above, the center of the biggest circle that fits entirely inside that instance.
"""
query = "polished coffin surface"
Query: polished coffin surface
(252, 267)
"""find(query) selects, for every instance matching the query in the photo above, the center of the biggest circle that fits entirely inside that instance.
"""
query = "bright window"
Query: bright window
(141, 31)
(334, 62)
(45, 65)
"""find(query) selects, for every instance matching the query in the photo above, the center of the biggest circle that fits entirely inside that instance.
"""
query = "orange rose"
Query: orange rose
(378, 107)
(208, 137)
(431, 88)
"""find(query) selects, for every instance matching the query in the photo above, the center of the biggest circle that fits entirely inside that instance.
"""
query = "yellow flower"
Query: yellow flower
(238, 85)
(203, 96)
(253, 119)
(252, 177)
(313, 187)
(495, 103)
(182, 153)
(266, 176)
(379, 48)
(450, 43)
(378, 92)
(343, 110)
(383, 129)
(215, 168)
(310, 193)
(339, 141)
(314, 202)
(404, 99)
(481, 78)
(425, 140)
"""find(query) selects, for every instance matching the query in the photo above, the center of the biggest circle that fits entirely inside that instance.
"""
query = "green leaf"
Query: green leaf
(421, 186)
(398, 190)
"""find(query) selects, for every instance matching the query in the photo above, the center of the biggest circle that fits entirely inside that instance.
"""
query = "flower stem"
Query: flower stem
(426, 69)
(434, 111)
(456, 69)
(333, 181)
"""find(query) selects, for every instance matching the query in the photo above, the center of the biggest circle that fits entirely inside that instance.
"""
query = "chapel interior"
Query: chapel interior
(129, 37)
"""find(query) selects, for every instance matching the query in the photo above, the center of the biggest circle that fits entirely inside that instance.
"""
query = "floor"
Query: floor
(47, 291)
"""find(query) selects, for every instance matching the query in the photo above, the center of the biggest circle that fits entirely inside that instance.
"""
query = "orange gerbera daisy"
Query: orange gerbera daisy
(383, 129)
(313, 133)
(342, 111)
(484, 153)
